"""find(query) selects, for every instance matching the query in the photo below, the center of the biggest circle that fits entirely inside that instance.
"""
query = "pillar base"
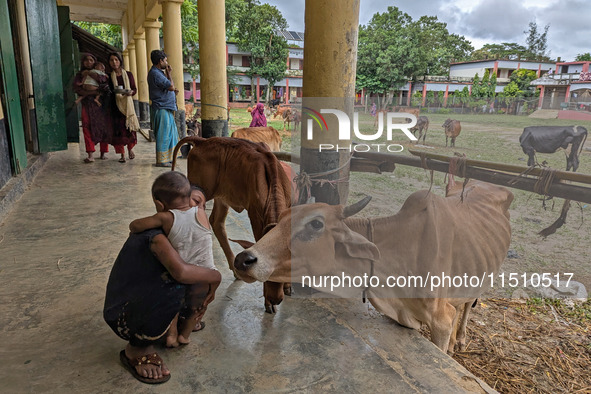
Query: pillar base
(181, 124)
(144, 112)
(136, 106)
(312, 161)
(214, 128)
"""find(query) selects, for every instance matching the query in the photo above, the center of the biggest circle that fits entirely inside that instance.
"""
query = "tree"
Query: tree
(438, 48)
(190, 35)
(520, 84)
(388, 53)
(393, 49)
(537, 43)
(258, 25)
(111, 34)
(505, 50)
(583, 57)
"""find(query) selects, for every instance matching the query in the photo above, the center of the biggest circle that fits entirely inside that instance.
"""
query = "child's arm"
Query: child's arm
(178, 269)
(161, 219)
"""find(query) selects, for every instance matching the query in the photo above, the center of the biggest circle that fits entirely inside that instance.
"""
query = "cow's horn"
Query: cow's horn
(351, 210)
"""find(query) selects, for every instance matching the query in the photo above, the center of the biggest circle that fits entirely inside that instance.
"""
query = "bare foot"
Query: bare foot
(149, 371)
(104, 156)
(182, 340)
(173, 333)
(131, 155)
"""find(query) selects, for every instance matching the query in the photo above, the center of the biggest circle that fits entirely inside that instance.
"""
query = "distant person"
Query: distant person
(149, 287)
(96, 124)
(373, 109)
(163, 97)
(125, 121)
(258, 116)
(187, 227)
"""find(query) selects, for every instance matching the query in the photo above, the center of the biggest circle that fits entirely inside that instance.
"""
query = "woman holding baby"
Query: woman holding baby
(90, 83)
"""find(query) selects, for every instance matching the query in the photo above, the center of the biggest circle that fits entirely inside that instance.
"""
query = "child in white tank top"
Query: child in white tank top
(181, 215)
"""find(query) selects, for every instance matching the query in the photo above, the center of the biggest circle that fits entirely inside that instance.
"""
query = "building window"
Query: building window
(245, 61)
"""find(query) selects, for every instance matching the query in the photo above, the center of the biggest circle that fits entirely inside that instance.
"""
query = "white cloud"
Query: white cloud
(484, 21)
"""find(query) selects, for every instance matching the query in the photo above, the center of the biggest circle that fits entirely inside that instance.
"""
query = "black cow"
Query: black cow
(547, 139)
(275, 102)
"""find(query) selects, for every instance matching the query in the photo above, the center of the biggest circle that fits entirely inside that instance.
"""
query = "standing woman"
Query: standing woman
(96, 125)
(258, 116)
(125, 122)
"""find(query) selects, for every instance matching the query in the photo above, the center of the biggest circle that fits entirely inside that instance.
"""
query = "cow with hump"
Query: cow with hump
(465, 234)
(240, 174)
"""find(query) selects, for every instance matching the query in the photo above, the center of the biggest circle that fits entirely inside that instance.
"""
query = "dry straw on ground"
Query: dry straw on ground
(533, 346)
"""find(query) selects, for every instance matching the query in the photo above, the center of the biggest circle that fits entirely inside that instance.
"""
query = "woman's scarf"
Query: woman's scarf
(258, 116)
(125, 103)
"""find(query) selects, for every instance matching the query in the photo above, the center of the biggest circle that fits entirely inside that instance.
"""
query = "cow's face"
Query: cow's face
(308, 240)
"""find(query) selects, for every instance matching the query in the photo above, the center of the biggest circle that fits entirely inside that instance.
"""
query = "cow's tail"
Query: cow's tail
(582, 143)
(191, 140)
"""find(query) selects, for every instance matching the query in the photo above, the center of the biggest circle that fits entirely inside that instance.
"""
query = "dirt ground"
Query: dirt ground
(515, 344)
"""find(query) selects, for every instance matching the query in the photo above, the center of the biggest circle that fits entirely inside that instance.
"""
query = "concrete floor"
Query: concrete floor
(57, 246)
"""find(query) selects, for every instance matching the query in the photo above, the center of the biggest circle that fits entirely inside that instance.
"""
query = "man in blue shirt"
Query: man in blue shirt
(163, 97)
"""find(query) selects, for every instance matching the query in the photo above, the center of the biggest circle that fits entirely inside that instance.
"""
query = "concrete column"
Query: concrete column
(330, 63)
(152, 28)
(258, 89)
(141, 78)
(567, 94)
(446, 95)
(125, 54)
(194, 90)
(539, 70)
(424, 94)
(541, 100)
(286, 90)
(409, 97)
(585, 68)
(212, 68)
(173, 46)
(133, 69)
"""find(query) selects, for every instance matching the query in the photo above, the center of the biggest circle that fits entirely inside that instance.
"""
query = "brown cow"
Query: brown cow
(268, 135)
(452, 130)
(422, 124)
(242, 175)
(460, 238)
(280, 111)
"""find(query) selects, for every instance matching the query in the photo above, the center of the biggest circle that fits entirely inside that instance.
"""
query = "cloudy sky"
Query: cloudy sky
(484, 21)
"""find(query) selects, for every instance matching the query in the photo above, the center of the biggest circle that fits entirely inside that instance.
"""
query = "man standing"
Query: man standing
(162, 95)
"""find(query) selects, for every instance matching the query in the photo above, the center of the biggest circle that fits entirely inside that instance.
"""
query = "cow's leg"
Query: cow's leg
(218, 225)
(446, 137)
(452, 336)
(461, 331)
(441, 324)
(453, 142)
(531, 160)
(273, 293)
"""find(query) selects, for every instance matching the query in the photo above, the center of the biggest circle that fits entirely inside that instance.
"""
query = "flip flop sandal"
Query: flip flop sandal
(122, 160)
(131, 155)
(201, 327)
(130, 365)
(87, 160)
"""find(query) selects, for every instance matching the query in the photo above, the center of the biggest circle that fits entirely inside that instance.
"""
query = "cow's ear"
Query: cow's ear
(243, 243)
(356, 246)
